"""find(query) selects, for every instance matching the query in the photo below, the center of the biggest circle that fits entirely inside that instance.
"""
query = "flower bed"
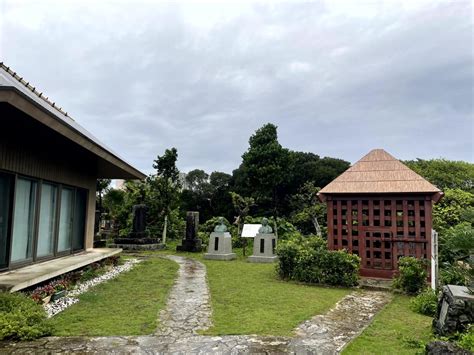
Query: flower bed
(70, 298)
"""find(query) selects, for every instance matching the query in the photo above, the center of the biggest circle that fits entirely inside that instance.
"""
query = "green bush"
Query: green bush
(308, 260)
(412, 275)
(466, 339)
(425, 303)
(21, 318)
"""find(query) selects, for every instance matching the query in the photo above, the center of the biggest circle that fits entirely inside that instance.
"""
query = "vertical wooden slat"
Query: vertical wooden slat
(330, 217)
(349, 224)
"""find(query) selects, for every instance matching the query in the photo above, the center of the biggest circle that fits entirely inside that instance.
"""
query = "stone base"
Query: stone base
(455, 310)
(139, 246)
(230, 256)
(262, 259)
(190, 245)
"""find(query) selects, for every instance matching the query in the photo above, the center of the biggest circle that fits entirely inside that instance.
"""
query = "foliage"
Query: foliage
(412, 275)
(264, 165)
(425, 303)
(308, 211)
(49, 289)
(456, 246)
(113, 202)
(451, 209)
(308, 260)
(445, 174)
(21, 318)
(466, 339)
(126, 305)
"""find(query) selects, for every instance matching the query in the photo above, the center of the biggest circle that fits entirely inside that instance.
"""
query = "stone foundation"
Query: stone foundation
(220, 247)
(455, 310)
(264, 249)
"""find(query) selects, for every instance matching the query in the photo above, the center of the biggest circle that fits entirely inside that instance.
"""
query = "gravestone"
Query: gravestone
(264, 245)
(138, 238)
(220, 243)
(455, 310)
(191, 242)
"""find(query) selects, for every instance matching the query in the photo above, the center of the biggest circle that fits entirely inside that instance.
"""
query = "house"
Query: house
(380, 210)
(49, 165)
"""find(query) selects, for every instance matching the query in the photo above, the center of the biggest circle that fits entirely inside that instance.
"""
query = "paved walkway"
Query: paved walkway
(188, 311)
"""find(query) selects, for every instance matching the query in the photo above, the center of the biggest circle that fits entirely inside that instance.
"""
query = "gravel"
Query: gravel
(61, 304)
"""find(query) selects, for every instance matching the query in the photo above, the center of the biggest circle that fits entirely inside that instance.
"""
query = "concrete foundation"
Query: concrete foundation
(220, 247)
(264, 249)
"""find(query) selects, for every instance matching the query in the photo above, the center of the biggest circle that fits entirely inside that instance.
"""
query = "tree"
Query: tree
(452, 209)
(197, 180)
(445, 174)
(264, 166)
(242, 206)
(164, 187)
(113, 201)
(308, 209)
(101, 188)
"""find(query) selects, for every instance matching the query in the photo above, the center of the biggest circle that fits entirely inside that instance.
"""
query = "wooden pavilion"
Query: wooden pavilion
(380, 210)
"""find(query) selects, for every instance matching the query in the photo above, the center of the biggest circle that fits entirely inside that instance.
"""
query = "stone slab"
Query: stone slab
(226, 257)
(262, 259)
(461, 292)
(31, 275)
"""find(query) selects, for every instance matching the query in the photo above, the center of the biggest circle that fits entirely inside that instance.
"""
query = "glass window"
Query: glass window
(5, 193)
(47, 220)
(23, 220)
(79, 220)
(65, 220)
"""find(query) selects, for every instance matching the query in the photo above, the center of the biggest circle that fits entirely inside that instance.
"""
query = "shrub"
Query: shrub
(454, 274)
(308, 260)
(425, 303)
(21, 318)
(412, 275)
(466, 339)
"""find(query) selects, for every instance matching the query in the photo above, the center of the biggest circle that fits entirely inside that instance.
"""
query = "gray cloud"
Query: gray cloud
(338, 80)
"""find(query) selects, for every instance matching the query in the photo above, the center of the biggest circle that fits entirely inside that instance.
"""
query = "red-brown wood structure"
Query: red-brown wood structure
(380, 210)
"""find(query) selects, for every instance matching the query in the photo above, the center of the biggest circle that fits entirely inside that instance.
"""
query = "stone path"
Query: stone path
(188, 310)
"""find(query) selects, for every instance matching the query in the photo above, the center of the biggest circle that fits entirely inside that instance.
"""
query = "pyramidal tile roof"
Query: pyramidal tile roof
(379, 172)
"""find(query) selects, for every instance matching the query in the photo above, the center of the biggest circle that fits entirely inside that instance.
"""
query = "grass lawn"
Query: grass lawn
(126, 305)
(395, 330)
(249, 299)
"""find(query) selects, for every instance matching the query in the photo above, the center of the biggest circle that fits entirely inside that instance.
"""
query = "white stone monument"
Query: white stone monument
(220, 243)
(264, 245)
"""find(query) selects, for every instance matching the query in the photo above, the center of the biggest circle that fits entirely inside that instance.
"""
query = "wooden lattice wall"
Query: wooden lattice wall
(380, 229)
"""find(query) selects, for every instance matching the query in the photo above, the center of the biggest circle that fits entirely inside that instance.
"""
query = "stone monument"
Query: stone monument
(220, 243)
(191, 242)
(455, 310)
(138, 238)
(264, 245)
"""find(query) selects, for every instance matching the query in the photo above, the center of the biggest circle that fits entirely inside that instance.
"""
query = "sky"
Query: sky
(338, 78)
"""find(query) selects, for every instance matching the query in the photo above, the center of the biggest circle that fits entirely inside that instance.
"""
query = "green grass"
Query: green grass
(126, 305)
(249, 299)
(395, 330)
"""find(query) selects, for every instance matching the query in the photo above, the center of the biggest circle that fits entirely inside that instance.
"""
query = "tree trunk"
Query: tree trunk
(316, 226)
(165, 227)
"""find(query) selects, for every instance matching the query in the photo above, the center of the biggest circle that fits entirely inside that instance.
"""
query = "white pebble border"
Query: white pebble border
(61, 304)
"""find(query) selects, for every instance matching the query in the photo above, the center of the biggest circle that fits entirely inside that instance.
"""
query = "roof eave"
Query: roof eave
(21, 101)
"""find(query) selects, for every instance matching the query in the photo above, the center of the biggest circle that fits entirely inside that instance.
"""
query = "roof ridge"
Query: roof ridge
(33, 89)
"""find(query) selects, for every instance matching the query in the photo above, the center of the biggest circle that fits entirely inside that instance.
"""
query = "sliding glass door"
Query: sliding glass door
(66, 220)
(39, 220)
(5, 203)
(23, 220)
(47, 220)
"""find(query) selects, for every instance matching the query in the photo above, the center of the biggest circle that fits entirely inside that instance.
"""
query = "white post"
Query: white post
(434, 259)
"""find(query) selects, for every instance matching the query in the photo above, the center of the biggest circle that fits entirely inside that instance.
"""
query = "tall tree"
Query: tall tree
(102, 187)
(265, 165)
(445, 174)
(165, 186)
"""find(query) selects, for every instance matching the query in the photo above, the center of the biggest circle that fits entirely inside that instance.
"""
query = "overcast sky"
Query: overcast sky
(337, 78)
